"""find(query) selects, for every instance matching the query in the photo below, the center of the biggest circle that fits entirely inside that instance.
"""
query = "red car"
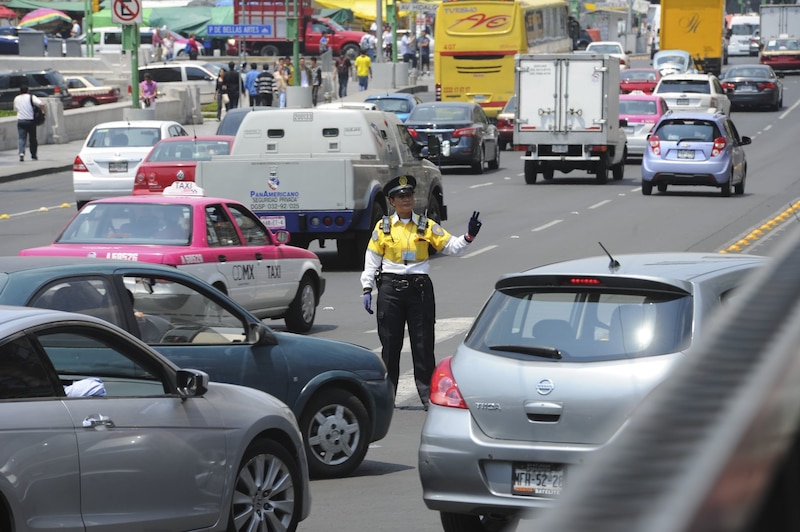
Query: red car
(174, 159)
(638, 79)
(505, 123)
(782, 53)
(87, 91)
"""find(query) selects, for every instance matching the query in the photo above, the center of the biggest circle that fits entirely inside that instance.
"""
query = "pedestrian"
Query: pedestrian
(158, 45)
(250, 84)
(407, 44)
(265, 82)
(387, 42)
(219, 92)
(288, 71)
(368, 43)
(280, 85)
(424, 47)
(304, 72)
(396, 262)
(316, 80)
(363, 70)
(75, 30)
(148, 92)
(169, 46)
(342, 71)
(323, 43)
(26, 126)
(192, 47)
(233, 86)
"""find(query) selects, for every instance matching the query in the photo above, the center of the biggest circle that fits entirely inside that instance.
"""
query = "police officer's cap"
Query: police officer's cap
(400, 184)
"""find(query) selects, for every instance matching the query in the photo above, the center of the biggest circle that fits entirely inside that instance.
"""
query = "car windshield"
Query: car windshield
(637, 107)
(583, 325)
(675, 59)
(684, 85)
(434, 113)
(744, 29)
(189, 150)
(637, 75)
(137, 137)
(604, 49)
(687, 129)
(392, 105)
(130, 224)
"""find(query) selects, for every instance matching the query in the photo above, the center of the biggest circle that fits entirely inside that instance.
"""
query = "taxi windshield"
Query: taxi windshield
(130, 224)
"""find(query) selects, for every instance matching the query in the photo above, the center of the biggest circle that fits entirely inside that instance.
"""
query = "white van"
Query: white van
(109, 40)
(740, 30)
(191, 73)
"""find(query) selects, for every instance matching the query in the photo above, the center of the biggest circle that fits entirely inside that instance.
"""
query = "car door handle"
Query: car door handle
(98, 421)
(543, 411)
(259, 256)
(222, 258)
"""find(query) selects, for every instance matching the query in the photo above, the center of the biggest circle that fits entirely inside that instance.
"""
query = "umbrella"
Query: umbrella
(45, 18)
(7, 13)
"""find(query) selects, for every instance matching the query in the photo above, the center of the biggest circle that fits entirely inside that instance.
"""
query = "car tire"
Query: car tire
(618, 171)
(738, 188)
(351, 51)
(662, 187)
(530, 172)
(777, 105)
(452, 522)
(269, 50)
(336, 430)
(725, 189)
(478, 166)
(548, 172)
(494, 164)
(647, 188)
(268, 478)
(303, 308)
(503, 145)
(89, 102)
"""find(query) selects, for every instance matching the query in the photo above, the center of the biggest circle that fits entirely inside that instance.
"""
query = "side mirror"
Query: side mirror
(282, 236)
(623, 122)
(434, 146)
(191, 383)
(746, 141)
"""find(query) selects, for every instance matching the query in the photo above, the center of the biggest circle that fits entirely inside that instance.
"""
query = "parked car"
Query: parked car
(108, 39)
(554, 365)
(753, 86)
(612, 48)
(694, 92)
(190, 73)
(467, 137)
(230, 123)
(638, 79)
(505, 123)
(641, 112)
(93, 413)
(781, 54)
(45, 83)
(339, 392)
(695, 149)
(87, 91)
(221, 241)
(175, 159)
(107, 163)
(673, 62)
(398, 103)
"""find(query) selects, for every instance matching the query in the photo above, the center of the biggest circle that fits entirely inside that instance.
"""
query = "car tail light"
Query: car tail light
(719, 146)
(713, 103)
(78, 166)
(465, 132)
(655, 145)
(413, 133)
(766, 85)
(139, 180)
(444, 390)
(728, 85)
(622, 63)
(503, 122)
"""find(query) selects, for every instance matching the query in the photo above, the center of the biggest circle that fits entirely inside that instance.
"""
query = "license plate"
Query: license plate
(560, 148)
(685, 154)
(118, 167)
(274, 222)
(478, 98)
(538, 480)
(747, 88)
(682, 101)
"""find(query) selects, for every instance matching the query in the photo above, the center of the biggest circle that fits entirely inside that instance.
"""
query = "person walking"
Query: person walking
(280, 85)
(148, 92)
(424, 47)
(233, 86)
(363, 70)
(219, 90)
(316, 80)
(265, 82)
(342, 71)
(193, 48)
(250, 84)
(26, 126)
(158, 45)
(169, 46)
(304, 73)
(396, 262)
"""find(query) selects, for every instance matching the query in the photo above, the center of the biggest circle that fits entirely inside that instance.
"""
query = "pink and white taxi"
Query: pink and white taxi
(218, 240)
(641, 111)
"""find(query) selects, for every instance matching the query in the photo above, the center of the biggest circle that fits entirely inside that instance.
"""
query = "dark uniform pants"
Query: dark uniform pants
(408, 299)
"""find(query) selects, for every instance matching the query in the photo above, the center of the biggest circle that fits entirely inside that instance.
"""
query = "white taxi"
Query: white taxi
(218, 240)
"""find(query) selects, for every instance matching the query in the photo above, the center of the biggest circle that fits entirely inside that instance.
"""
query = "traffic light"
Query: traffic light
(95, 6)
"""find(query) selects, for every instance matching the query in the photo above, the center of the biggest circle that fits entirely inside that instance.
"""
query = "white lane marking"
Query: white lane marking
(599, 204)
(482, 185)
(789, 110)
(546, 226)
(478, 252)
(767, 128)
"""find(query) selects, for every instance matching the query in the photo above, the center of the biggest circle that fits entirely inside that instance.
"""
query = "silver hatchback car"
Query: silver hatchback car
(551, 370)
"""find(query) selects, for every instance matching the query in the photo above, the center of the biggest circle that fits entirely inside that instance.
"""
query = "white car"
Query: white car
(612, 48)
(189, 73)
(106, 165)
(693, 92)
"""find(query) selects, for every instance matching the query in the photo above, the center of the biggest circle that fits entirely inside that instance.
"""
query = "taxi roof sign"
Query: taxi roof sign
(183, 188)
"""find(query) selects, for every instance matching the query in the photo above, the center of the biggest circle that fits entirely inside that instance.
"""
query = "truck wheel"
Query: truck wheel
(494, 164)
(300, 316)
(530, 172)
(647, 188)
(477, 167)
(619, 170)
(269, 50)
(601, 173)
(548, 173)
(351, 50)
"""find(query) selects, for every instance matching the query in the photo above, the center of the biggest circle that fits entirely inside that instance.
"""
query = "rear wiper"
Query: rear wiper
(536, 350)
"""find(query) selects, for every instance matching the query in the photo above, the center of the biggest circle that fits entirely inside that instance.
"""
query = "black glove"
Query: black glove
(474, 225)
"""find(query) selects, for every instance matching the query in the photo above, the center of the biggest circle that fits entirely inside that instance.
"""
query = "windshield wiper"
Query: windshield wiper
(536, 350)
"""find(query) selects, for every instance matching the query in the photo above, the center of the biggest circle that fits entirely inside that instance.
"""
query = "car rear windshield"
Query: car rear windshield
(637, 107)
(637, 75)
(137, 137)
(190, 150)
(687, 129)
(583, 325)
(391, 105)
(684, 85)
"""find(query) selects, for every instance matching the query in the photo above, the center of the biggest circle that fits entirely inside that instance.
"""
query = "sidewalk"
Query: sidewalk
(54, 158)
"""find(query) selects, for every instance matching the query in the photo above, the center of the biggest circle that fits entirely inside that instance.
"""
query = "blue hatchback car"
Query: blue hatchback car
(695, 149)
(398, 103)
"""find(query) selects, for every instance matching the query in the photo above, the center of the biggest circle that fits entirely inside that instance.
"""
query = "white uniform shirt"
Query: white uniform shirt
(23, 107)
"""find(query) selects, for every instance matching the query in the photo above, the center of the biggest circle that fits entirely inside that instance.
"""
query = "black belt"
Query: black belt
(401, 282)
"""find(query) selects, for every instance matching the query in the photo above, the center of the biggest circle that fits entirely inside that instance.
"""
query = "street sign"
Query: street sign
(126, 12)
(229, 30)
(405, 6)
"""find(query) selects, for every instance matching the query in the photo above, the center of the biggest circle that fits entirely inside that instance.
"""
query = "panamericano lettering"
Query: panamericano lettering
(272, 194)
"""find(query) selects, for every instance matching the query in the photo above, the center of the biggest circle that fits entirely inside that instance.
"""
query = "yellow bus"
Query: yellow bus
(476, 41)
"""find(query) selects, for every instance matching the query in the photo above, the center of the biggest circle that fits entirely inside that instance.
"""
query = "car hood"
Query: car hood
(529, 399)
(313, 356)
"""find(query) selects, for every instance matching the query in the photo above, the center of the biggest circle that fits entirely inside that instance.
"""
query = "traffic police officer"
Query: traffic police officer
(396, 261)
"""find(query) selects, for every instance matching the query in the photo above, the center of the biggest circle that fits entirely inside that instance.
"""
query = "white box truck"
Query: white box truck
(779, 19)
(567, 115)
(320, 173)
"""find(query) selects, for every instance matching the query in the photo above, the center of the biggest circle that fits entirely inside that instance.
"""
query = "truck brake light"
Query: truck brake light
(78, 166)
(655, 144)
(719, 146)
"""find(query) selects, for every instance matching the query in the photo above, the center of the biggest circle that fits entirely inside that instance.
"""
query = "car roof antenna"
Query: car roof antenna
(613, 266)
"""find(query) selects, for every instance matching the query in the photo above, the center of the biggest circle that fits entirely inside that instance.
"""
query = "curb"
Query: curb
(35, 172)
